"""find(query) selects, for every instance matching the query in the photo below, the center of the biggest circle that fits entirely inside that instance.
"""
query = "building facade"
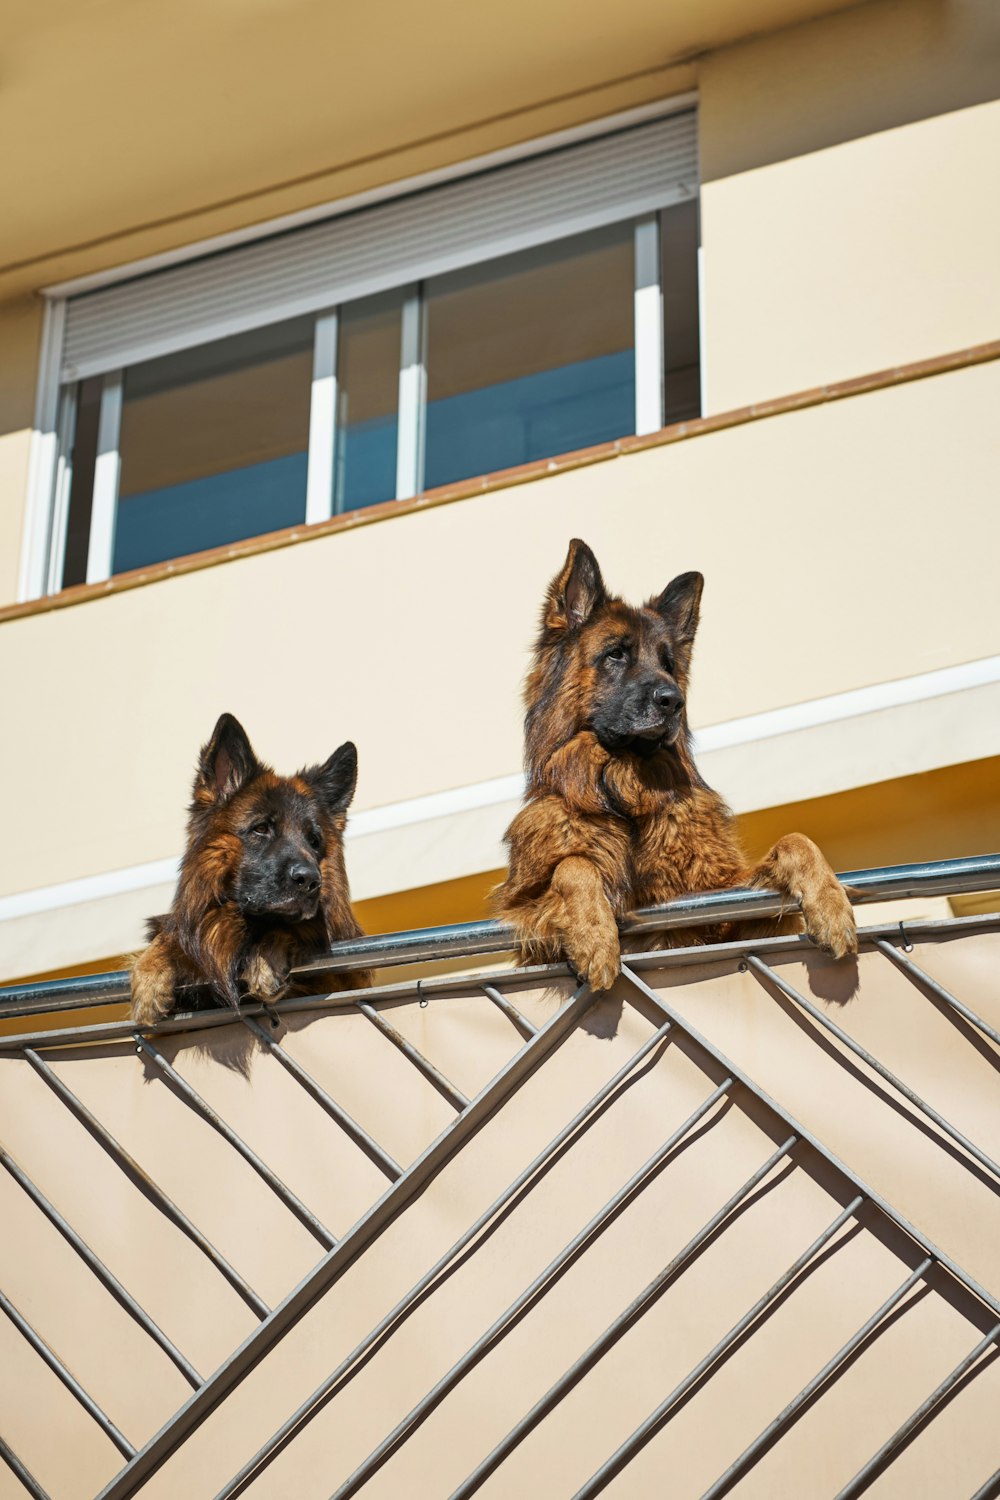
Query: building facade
(318, 344)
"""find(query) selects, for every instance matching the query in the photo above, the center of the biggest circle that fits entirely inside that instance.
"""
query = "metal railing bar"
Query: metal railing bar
(107, 1278)
(938, 877)
(375, 1219)
(990, 1489)
(749, 1455)
(624, 1454)
(191, 1097)
(658, 958)
(534, 1292)
(454, 1096)
(148, 1187)
(916, 1235)
(863, 1476)
(20, 1472)
(347, 1123)
(512, 1013)
(406, 1303)
(623, 1322)
(762, 969)
(923, 980)
(70, 1381)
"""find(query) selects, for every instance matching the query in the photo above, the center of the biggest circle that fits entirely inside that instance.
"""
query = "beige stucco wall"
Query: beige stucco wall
(850, 218)
(814, 530)
(20, 333)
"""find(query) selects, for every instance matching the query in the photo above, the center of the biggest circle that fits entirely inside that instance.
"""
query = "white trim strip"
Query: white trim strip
(322, 421)
(501, 789)
(42, 455)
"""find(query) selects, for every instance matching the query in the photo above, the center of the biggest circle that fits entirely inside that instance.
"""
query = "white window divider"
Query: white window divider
(322, 421)
(412, 398)
(648, 327)
(107, 470)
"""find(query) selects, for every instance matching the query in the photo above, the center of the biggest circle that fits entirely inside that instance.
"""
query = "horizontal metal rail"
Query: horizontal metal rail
(863, 1476)
(70, 1381)
(466, 939)
(764, 971)
(107, 1278)
(990, 1489)
(529, 1174)
(131, 1167)
(21, 1472)
(751, 1453)
(377, 1218)
(191, 1097)
(531, 1294)
(350, 1126)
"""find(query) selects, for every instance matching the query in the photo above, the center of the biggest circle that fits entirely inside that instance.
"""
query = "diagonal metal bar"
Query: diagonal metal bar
(511, 1011)
(641, 1436)
(191, 1096)
(454, 1096)
(308, 1408)
(625, 1320)
(787, 1415)
(18, 1469)
(863, 1476)
(916, 1235)
(383, 1212)
(765, 971)
(107, 1278)
(533, 1293)
(990, 1489)
(71, 1383)
(350, 1126)
(131, 1167)
(923, 980)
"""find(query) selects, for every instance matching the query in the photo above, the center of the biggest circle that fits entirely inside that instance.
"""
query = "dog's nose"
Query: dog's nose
(667, 698)
(304, 877)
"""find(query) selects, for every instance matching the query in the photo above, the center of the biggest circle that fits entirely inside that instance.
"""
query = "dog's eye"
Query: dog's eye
(668, 663)
(616, 654)
(316, 839)
(261, 830)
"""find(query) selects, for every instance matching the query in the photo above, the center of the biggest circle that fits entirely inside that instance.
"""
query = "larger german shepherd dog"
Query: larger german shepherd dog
(616, 815)
(262, 884)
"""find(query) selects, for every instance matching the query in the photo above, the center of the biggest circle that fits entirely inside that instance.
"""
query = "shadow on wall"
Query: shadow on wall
(857, 72)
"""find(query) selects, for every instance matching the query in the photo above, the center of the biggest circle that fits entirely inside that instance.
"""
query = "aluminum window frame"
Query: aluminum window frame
(50, 458)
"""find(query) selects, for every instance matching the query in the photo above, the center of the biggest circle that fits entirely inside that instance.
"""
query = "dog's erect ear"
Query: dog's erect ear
(680, 605)
(227, 762)
(576, 591)
(335, 780)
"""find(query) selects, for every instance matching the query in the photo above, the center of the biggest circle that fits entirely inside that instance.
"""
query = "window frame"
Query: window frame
(50, 459)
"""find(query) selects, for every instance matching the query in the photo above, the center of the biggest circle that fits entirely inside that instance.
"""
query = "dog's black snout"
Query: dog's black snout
(667, 698)
(304, 877)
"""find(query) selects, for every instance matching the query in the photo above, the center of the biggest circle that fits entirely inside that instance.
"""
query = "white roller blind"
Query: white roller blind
(494, 213)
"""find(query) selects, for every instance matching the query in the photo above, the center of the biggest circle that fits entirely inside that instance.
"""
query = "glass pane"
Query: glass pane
(679, 251)
(368, 346)
(530, 355)
(214, 444)
(81, 493)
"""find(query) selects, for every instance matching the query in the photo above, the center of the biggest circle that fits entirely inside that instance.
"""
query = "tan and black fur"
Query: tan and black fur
(617, 816)
(262, 886)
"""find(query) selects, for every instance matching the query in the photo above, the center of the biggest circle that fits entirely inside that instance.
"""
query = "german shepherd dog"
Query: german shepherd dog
(262, 886)
(616, 815)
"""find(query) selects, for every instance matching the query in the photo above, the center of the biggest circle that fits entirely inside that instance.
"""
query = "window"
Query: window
(513, 315)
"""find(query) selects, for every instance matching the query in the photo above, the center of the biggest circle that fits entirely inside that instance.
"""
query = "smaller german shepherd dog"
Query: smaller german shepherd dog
(262, 886)
(617, 816)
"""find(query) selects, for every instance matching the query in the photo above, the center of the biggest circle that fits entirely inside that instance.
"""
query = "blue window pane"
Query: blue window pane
(530, 356)
(368, 350)
(214, 445)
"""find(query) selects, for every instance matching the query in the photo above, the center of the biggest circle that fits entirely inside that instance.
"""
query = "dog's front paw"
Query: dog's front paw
(596, 958)
(829, 919)
(265, 975)
(152, 992)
